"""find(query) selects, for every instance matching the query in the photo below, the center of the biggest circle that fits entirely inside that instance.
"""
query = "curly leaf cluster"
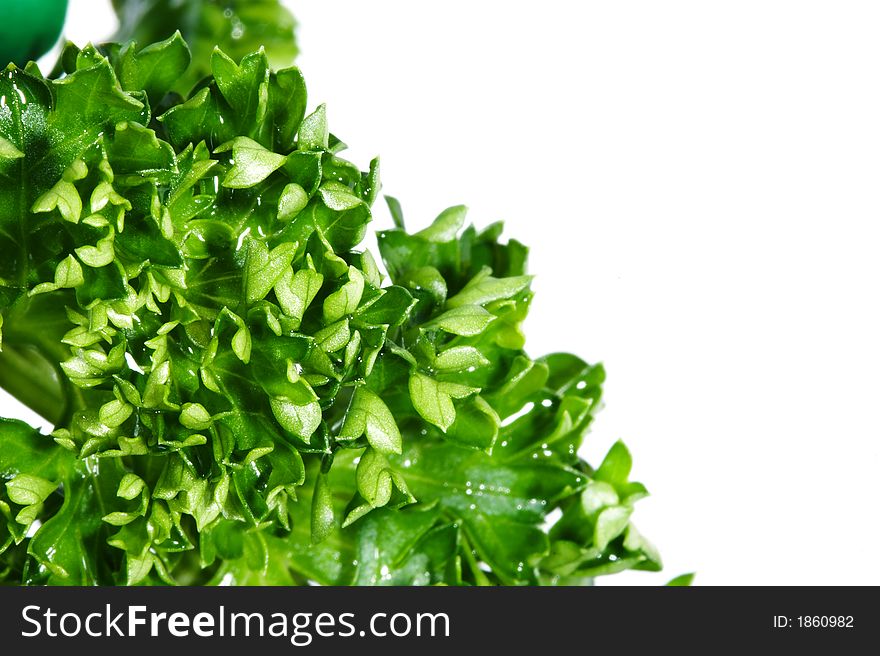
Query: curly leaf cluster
(239, 27)
(240, 394)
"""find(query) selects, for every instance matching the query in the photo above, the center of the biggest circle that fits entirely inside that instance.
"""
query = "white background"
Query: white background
(699, 185)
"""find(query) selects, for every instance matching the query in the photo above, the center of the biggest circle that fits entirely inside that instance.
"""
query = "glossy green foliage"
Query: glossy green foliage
(238, 27)
(240, 395)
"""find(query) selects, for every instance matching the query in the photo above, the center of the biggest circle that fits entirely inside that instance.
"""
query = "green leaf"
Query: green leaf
(323, 519)
(616, 466)
(341, 217)
(195, 416)
(610, 523)
(333, 337)
(65, 544)
(130, 487)
(156, 68)
(432, 399)
(446, 226)
(115, 413)
(346, 299)
(135, 150)
(465, 320)
(26, 490)
(99, 255)
(92, 97)
(251, 163)
(65, 198)
(374, 478)
(244, 86)
(682, 580)
(377, 482)
(264, 268)
(500, 505)
(460, 358)
(392, 308)
(427, 284)
(68, 274)
(242, 342)
(368, 415)
(287, 98)
(476, 424)
(483, 289)
(8, 150)
(313, 133)
(195, 120)
(396, 212)
(300, 420)
(615, 470)
(387, 538)
(296, 291)
(293, 200)
(305, 169)
(598, 496)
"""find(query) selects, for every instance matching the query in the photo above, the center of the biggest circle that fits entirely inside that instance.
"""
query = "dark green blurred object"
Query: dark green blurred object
(29, 28)
(239, 27)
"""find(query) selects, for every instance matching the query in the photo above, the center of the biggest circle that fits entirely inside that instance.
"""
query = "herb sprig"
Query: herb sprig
(240, 395)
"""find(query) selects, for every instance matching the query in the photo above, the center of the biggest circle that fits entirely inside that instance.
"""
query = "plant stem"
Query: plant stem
(480, 579)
